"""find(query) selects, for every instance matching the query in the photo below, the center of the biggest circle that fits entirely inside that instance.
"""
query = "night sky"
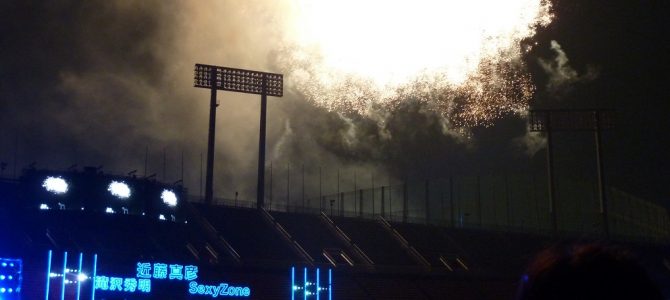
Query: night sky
(100, 82)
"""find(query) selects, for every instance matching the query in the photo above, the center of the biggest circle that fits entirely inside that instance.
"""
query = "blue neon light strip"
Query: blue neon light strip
(62, 291)
(46, 294)
(318, 287)
(81, 257)
(95, 272)
(304, 284)
(292, 283)
(330, 284)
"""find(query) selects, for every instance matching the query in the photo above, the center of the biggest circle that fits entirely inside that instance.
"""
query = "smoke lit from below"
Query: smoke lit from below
(462, 59)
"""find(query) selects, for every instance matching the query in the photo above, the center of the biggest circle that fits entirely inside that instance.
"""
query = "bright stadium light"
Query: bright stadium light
(161, 217)
(119, 189)
(44, 206)
(109, 210)
(56, 185)
(169, 198)
(82, 277)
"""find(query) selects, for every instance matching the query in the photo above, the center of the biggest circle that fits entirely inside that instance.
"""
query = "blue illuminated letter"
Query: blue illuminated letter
(101, 283)
(129, 285)
(160, 271)
(176, 272)
(143, 270)
(192, 287)
(144, 285)
(191, 273)
(115, 284)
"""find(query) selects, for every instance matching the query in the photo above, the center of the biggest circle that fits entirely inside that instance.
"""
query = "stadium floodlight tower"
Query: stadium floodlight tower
(596, 120)
(242, 81)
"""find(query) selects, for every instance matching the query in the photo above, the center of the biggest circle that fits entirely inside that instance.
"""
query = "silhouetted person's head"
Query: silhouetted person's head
(586, 271)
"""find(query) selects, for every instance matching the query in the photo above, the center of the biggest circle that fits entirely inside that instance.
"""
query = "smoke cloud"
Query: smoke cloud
(562, 77)
(107, 82)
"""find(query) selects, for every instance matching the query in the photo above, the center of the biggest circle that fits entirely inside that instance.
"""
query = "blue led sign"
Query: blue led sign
(10, 278)
(167, 271)
(142, 280)
(311, 285)
(119, 284)
(63, 278)
(223, 289)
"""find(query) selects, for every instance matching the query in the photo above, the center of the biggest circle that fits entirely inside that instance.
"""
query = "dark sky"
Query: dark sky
(99, 82)
(624, 40)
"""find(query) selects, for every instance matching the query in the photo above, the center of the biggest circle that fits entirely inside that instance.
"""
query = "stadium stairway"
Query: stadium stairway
(249, 234)
(314, 234)
(382, 248)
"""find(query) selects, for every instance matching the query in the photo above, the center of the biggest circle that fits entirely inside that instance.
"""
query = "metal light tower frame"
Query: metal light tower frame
(596, 120)
(242, 81)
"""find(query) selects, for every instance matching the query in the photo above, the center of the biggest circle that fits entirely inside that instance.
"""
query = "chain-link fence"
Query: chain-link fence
(510, 202)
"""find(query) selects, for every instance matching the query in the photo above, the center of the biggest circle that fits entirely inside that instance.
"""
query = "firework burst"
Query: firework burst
(461, 60)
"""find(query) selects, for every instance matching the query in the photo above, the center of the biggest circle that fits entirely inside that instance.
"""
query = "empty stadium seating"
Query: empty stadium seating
(464, 263)
(251, 236)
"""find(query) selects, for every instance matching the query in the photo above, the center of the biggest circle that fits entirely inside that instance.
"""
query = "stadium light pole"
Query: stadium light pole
(243, 81)
(596, 120)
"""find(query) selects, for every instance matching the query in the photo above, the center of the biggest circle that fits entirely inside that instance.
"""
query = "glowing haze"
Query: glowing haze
(369, 49)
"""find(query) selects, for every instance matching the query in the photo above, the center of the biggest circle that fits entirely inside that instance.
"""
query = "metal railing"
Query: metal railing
(513, 203)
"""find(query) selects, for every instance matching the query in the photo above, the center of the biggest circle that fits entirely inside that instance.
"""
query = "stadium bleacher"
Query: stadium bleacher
(370, 258)
(249, 234)
(314, 236)
(375, 241)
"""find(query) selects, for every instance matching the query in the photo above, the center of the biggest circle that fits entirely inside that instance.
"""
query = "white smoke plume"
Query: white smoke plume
(562, 77)
(531, 142)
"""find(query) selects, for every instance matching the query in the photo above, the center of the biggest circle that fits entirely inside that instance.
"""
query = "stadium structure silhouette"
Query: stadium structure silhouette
(85, 234)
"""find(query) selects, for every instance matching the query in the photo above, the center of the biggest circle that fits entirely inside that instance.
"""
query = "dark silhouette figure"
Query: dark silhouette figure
(586, 271)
